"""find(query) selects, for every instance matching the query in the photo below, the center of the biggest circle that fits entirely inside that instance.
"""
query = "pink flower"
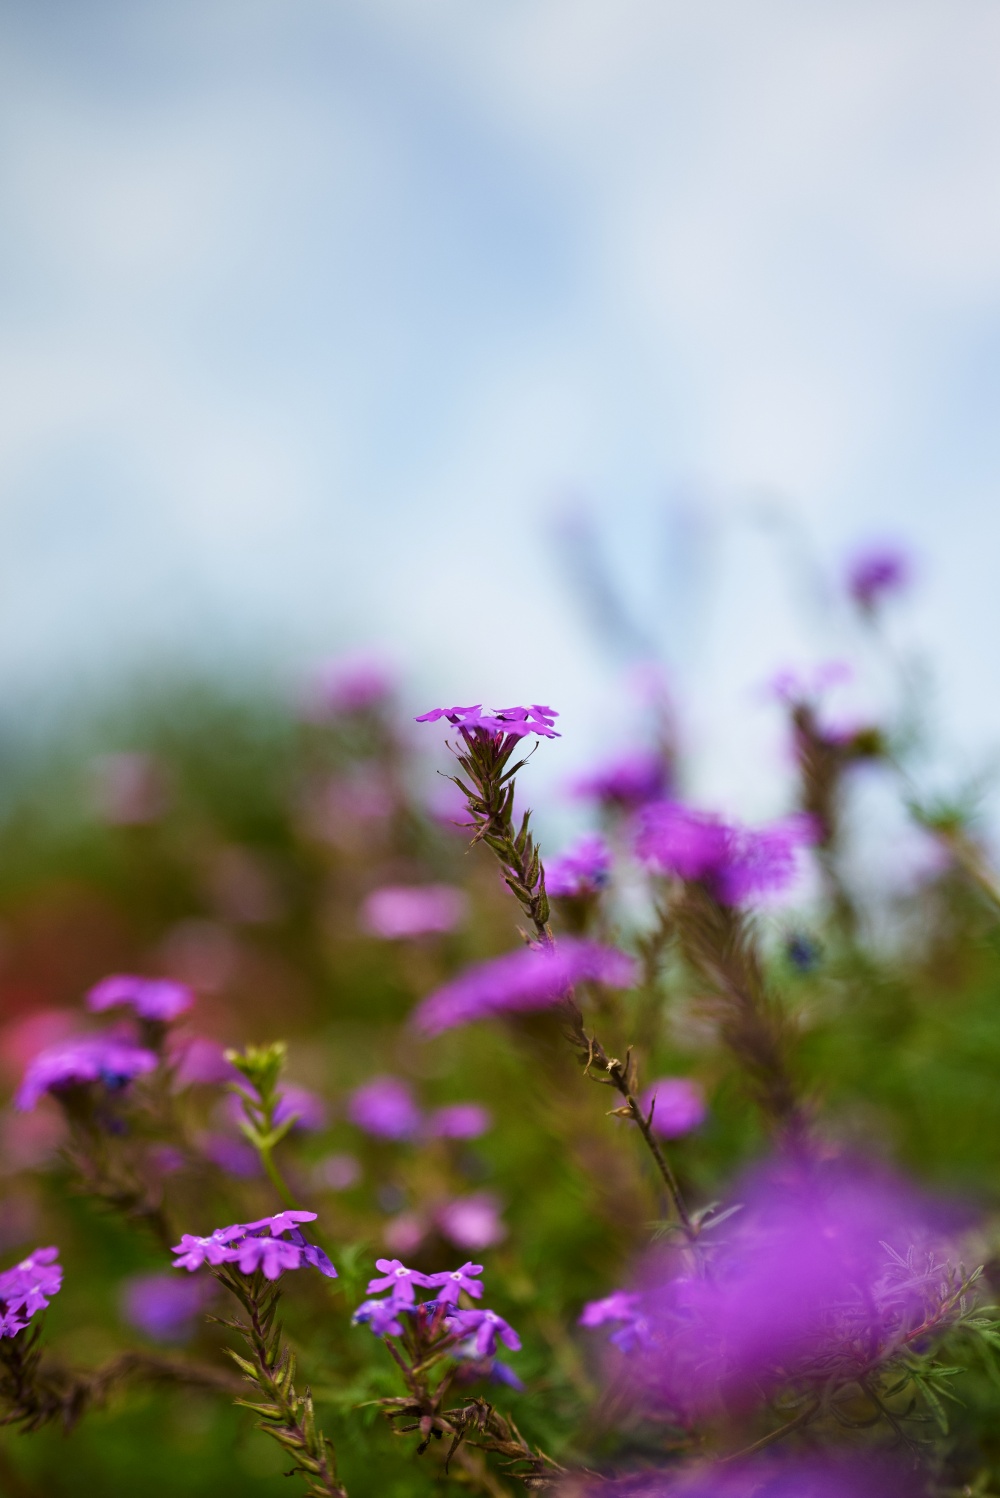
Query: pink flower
(458, 1121)
(385, 1108)
(510, 722)
(152, 998)
(627, 782)
(472, 1221)
(398, 911)
(583, 869)
(679, 1106)
(736, 863)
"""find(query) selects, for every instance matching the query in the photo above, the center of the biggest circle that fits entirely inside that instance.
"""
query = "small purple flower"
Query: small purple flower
(281, 1222)
(399, 911)
(28, 1288)
(512, 722)
(451, 1282)
(311, 1110)
(163, 1306)
(583, 870)
(194, 1251)
(352, 684)
(620, 1305)
(458, 1121)
(875, 573)
(338, 1172)
(485, 1327)
(736, 863)
(75, 1063)
(400, 1280)
(271, 1255)
(531, 978)
(151, 998)
(381, 1315)
(472, 1221)
(256, 1245)
(235, 1156)
(679, 1106)
(200, 1060)
(625, 783)
(384, 1107)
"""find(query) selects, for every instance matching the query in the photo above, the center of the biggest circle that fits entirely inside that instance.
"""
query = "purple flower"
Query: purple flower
(625, 783)
(310, 1109)
(271, 1255)
(28, 1288)
(472, 1221)
(679, 1106)
(620, 1305)
(151, 998)
(75, 1063)
(384, 1107)
(399, 911)
(338, 1172)
(736, 863)
(381, 1315)
(256, 1245)
(194, 1252)
(531, 978)
(789, 1476)
(514, 722)
(583, 870)
(400, 1280)
(200, 1060)
(876, 572)
(458, 1121)
(485, 1327)
(235, 1156)
(351, 684)
(281, 1222)
(163, 1306)
(451, 1282)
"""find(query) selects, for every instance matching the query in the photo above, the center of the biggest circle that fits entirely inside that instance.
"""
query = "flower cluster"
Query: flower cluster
(532, 978)
(583, 870)
(509, 722)
(151, 998)
(475, 1332)
(91, 1060)
(737, 864)
(28, 1288)
(271, 1244)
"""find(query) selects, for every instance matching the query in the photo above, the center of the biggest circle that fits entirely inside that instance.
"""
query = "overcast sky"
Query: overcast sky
(324, 321)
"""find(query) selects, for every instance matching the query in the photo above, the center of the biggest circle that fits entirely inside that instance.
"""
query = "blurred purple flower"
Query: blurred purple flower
(625, 783)
(397, 1278)
(404, 1233)
(680, 1106)
(200, 1060)
(151, 998)
(235, 1156)
(28, 1287)
(472, 1221)
(384, 1107)
(311, 1109)
(458, 1121)
(75, 1063)
(582, 870)
(795, 684)
(350, 684)
(736, 863)
(163, 1306)
(513, 722)
(532, 978)
(450, 1283)
(819, 1475)
(338, 1172)
(399, 911)
(620, 1305)
(874, 573)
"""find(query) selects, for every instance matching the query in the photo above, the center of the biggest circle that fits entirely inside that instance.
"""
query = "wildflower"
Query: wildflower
(271, 1255)
(28, 1288)
(309, 1110)
(620, 1305)
(472, 1221)
(451, 1282)
(281, 1222)
(235, 1156)
(400, 911)
(583, 870)
(397, 1278)
(151, 998)
(458, 1121)
(625, 783)
(678, 1105)
(195, 1251)
(485, 1327)
(381, 1315)
(162, 1306)
(509, 722)
(532, 978)
(875, 573)
(256, 1245)
(76, 1063)
(735, 863)
(384, 1107)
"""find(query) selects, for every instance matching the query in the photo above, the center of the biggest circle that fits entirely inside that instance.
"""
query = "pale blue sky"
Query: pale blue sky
(315, 316)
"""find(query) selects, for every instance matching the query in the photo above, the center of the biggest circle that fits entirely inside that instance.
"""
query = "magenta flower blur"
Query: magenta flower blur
(384, 1108)
(400, 1280)
(818, 1475)
(351, 684)
(28, 1288)
(737, 864)
(163, 1306)
(108, 1063)
(620, 1305)
(151, 998)
(583, 870)
(256, 1245)
(679, 1106)
(235, 1156)
(450, 1283)
(875, 573)
(625, 783)
(309, 1109)
(512, 722)
(399, 911)
(532, 978)
(458, 1121)
(471, 1221)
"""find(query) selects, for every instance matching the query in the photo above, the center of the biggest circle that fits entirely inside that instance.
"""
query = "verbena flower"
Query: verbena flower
(472, 1221)
(385, 1108)
(458, 1121)
(625, 783)
(876, 572)
(77, 1063)
(583, 869)
(531, 978)
(151, 998)
(450, 1283)
(399, 911)
(737, 864)
(27, 1288)
(679, 1106)
(620, 1305)
(381, 1315)
(256, 1245)
(512, 722)
(485, 1328)
(163, 1306)
(399, 1279)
